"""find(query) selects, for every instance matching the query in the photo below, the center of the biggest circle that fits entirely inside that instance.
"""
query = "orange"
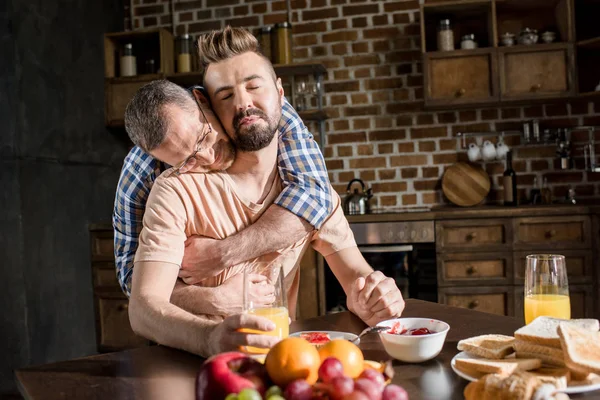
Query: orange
(348, 353)
(293, 358)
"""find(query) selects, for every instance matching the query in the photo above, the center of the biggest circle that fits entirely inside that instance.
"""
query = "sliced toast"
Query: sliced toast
(558, 377)
(549, 355)
(502, 367)
(543, 330)
(581, 348)
(488, 346)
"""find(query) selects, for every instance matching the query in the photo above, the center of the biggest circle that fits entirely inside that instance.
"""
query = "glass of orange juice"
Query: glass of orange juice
(262, 278)
(546, 287)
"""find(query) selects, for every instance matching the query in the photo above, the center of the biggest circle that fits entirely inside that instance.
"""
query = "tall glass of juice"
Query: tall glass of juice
(265, 295)
(546, 287)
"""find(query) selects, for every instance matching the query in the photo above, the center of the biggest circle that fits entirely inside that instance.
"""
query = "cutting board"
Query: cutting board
(465, 184)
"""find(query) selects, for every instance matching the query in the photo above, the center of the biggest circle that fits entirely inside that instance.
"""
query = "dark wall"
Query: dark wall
(58, 172)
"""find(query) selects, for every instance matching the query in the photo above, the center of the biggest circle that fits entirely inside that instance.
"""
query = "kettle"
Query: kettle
(357, 203)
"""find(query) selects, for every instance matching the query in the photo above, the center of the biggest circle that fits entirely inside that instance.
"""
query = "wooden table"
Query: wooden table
(157, 372)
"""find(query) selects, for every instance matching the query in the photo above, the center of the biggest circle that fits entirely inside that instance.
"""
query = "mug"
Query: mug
(488, 151)
(501, 150)
(474, 152)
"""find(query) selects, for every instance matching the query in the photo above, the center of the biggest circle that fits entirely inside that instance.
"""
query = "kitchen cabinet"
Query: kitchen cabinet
(493, 73)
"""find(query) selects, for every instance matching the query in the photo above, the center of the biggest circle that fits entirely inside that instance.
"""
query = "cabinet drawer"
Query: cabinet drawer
(102, 245)
(104, 275)
(463, 77)
(114, 329)
(494, 300)
(535, 74)
(581, 298)
(474, 269)
(579, 264)
(475, 235)
(552, 232)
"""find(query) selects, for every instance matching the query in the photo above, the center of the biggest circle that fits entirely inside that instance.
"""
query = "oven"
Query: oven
(403, 250)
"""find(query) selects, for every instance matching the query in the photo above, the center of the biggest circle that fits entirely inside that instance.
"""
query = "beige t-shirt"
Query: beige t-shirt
(207, 204)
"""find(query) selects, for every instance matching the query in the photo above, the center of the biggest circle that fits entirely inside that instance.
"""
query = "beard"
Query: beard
(256, 136)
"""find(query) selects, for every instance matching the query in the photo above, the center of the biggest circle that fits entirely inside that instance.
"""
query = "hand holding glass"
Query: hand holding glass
(546, 287)
(260, 278)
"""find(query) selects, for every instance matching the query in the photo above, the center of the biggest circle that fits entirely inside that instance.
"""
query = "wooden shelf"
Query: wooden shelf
(458, 52)
(186, 79)
(313, 115)
(136, 78)
(299, 69)
(589, 94)
(593, 43)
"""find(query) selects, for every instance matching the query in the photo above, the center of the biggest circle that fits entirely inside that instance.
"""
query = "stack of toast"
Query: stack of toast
(546, 355)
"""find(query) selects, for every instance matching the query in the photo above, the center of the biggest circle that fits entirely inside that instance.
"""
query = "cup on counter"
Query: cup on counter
(474, 152)
(488, 151)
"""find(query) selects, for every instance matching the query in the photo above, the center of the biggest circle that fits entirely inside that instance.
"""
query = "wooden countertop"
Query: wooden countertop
(449, 212)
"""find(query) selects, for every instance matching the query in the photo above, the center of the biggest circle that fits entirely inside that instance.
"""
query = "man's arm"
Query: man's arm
(304, 203)
(153, 316)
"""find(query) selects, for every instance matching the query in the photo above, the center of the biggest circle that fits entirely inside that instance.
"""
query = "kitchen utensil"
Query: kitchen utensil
(370, 329)
(474, 152)
(357, 203)
(508, 39)
(468, 42)
(488, 151)
(501, 149)
(528, 36)
(548, 37)
(465, 184)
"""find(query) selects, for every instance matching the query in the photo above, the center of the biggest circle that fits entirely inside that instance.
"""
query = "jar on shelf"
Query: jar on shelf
(264, 39)
(282, 45)
(445, 36)
(468, 42)
(128, 62)
(184, 54)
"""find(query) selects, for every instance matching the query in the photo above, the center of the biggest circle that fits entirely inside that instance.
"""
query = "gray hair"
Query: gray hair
(146, 120)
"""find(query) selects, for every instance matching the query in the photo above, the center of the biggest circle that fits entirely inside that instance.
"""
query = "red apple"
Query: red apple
(230, 372)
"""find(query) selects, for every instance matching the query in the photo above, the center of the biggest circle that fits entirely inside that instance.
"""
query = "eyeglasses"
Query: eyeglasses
(181, 169)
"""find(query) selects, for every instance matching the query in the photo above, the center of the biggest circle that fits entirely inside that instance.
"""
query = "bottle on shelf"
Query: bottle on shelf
(282, 43)
(546, 193)
(184, 56)
(509, 182)
(128, 62)
(264, 39)
(445, 36)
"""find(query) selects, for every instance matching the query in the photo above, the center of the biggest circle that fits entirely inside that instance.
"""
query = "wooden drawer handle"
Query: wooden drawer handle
(471, 236)
(536, 87)
(550, 234)
(471, 270)
(460, 92)
(473, 304)
(123, 307)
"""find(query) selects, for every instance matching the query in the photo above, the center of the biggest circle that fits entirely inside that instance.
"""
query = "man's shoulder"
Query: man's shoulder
(190, 180)
(141, 163)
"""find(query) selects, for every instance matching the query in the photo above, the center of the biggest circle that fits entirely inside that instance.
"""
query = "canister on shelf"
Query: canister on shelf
(128, 62)
(282, 35)
(468, 42)
(184, 56)
(264, 39)
(445, 36)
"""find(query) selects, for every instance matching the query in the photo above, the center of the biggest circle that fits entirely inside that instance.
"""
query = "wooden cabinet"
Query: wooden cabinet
(535, 73)
(460, 78)
(481, 262)
(113, 330)
(118, 92)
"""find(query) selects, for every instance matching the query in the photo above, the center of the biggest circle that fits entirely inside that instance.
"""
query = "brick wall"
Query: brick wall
(378, 130)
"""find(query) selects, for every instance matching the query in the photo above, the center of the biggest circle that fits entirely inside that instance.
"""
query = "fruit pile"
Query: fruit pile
(295, 370)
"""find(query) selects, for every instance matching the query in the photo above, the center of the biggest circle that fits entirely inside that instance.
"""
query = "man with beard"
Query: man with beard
(248, 97)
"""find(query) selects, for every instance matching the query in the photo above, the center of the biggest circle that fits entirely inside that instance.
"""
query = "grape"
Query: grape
(373, 376)
(356, 396)
(368, 387)
(273, 390)
(298, 390)
(340, 387)
(274, 397)
(330, 369)
(249, 394)
(232, 396)
(394, 392)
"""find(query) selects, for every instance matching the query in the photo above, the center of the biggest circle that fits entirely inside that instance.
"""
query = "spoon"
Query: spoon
(370, 329)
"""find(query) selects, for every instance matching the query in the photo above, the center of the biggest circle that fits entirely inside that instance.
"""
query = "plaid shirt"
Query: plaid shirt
(306, 191)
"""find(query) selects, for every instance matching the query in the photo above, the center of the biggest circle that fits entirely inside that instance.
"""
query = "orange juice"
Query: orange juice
(279, 316)
(549, 305)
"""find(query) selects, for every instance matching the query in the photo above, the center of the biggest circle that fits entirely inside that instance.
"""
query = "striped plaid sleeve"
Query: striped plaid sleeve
(133, 189)
(307, 191)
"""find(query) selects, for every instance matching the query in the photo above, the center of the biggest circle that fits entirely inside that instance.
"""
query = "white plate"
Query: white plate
(568, 390)
(332, 335)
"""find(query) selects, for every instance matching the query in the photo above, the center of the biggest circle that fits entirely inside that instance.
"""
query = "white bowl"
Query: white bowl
(414, 348)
